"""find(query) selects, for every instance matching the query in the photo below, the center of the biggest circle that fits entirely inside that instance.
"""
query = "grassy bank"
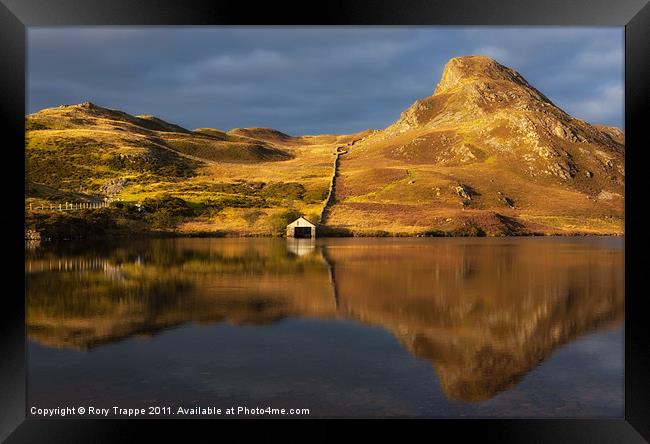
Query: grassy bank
(162, 216)
(170, 217)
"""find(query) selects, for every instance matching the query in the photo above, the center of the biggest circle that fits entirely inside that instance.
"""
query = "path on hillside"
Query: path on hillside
(331, 195)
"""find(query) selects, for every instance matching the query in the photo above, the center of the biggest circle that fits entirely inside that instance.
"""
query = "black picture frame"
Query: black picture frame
(16, 15)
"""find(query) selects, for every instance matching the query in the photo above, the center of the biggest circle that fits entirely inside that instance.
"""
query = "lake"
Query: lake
(350, 327)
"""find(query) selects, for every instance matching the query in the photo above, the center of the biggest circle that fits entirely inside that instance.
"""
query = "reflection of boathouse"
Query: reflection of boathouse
(301, 247)
(301, 227)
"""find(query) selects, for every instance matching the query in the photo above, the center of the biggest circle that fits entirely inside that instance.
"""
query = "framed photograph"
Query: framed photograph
(417, 210)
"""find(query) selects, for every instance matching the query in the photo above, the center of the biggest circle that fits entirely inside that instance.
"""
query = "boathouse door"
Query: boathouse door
(302, 232)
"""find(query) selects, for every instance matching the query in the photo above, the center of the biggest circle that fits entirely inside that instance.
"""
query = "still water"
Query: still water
(516, 327)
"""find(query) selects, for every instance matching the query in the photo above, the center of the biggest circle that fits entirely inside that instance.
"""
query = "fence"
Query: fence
(69, 206)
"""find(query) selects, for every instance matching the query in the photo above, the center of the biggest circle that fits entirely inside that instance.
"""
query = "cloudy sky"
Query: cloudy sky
(309, 80)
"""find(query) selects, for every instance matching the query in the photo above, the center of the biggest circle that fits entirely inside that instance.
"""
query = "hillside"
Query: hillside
(267, 134)
(486, 149)
(228, 182)
(486, 153)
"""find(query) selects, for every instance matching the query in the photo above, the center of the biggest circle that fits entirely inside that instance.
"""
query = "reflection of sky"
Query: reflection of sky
(333, 367)
(603, 350)
(309, 80)
(586, 371)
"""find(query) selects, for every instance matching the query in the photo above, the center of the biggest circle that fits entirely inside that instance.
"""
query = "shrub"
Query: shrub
(163, 219)
(73, 225)
(172, 206)
(278, 222)
(434, 233)
(125, 209)
(468, 230)
(465, 230)
(374, 233)
(316, 195)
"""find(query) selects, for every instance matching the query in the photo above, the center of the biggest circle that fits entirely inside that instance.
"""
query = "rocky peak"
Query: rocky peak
(471, 87)
(460, 71)
(612, 132)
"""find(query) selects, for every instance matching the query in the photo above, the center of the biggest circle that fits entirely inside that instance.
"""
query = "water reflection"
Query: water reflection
(301, 247)
(483, 312)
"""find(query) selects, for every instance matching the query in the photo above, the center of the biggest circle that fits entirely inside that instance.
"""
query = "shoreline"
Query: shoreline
(216, 235)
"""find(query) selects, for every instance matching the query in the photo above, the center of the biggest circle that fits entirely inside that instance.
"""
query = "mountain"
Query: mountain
(485, 150)
(486, 153)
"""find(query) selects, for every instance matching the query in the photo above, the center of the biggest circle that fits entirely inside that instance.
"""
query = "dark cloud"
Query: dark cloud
(309, 80)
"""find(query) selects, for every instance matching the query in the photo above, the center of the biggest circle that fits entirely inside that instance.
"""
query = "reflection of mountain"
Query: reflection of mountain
(146, 288)
(483, 312)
